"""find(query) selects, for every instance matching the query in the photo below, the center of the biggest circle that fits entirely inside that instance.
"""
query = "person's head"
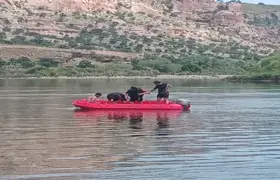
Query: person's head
(134, 88)
(157, 82)
(98, 95)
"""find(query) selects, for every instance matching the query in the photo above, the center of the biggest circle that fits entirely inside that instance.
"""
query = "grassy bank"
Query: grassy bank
(149, 66)
(196, 77)
(266, 70)
(191, 67)
(273, 77)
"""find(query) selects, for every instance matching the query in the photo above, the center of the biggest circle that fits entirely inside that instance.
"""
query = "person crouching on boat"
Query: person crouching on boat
(162, 90)
(116, 97)
(135, 94)
(94, 98)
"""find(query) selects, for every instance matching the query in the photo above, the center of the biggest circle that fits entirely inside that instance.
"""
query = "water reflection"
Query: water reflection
(163, 124)
(133, 116)
(135, 120)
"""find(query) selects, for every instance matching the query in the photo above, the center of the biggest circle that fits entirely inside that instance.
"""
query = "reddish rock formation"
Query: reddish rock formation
(194, 5)
(210, 11)
(177, 31)
(70, 5)
(230, 16)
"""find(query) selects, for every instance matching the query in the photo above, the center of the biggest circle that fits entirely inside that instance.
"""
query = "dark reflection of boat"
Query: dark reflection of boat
(163, 124)
(134, 116)
(135, 119)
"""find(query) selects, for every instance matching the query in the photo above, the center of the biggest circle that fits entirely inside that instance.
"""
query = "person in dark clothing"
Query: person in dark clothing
(162, 90)
(141, 94)
(116, 97)
(135, 94)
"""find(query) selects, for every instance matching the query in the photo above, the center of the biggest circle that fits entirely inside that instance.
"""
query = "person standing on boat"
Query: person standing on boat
(135, 94)
(162, 90)
(116, 97)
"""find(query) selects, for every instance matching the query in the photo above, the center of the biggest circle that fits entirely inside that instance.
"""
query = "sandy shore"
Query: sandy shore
(198, 77)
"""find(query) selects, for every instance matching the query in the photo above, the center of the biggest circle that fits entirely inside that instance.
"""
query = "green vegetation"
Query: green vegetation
(147, 65)
(24, 67)
(267, 69)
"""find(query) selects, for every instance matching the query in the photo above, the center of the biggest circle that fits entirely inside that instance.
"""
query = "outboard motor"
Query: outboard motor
(185, 103)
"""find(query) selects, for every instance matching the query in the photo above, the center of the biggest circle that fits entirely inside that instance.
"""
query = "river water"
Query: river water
(232, 133)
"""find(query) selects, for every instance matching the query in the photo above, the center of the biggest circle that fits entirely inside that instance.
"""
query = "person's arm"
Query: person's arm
(126, 94)
(110, 99)
(143, 91)
(89, 98)
(95, 99)
(154, 89)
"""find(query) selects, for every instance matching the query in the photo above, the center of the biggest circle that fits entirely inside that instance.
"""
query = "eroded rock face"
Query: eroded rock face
(70, 5)
(210, 11)
(200, 19)
(229, 15)
(197, 10)
(194, 5)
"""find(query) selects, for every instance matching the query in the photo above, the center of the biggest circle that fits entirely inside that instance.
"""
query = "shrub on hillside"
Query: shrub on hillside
(162, 65)
(85, 64)
(19, 40)
(138, 48)
(30, 33)
(48, 62)
(191, 67)
(18, 31)
(47, 72)
(6, 29)
(39, 40)
(3, 35)
(268, 64)
(6, 21)
(67, 71)
(42, 15)
(34, 70)
(168, 68)
(62, 17)
(137, 66)
(2, 63)
(24, 62)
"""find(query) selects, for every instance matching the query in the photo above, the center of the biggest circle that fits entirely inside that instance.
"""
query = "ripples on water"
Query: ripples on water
(232, 132)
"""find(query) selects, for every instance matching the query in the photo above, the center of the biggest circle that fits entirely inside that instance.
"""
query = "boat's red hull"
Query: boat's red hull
(145, 105)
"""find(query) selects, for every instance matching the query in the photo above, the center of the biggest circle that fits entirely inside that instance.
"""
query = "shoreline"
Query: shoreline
(190, 77)
(256, 78)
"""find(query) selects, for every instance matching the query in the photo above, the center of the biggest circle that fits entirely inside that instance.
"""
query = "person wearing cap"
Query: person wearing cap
(163, 92)
(95, 97)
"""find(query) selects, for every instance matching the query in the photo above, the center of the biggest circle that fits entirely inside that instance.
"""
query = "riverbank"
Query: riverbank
(198, 77)
(256, 78)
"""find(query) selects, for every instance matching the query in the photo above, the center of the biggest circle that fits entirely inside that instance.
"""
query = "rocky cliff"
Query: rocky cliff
(198, 10)
(114, 23)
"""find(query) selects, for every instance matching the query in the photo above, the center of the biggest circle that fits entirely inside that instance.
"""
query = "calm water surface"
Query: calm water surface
(232, 132)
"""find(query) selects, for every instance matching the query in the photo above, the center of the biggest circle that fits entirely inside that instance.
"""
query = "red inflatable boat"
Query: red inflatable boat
(126, 105)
